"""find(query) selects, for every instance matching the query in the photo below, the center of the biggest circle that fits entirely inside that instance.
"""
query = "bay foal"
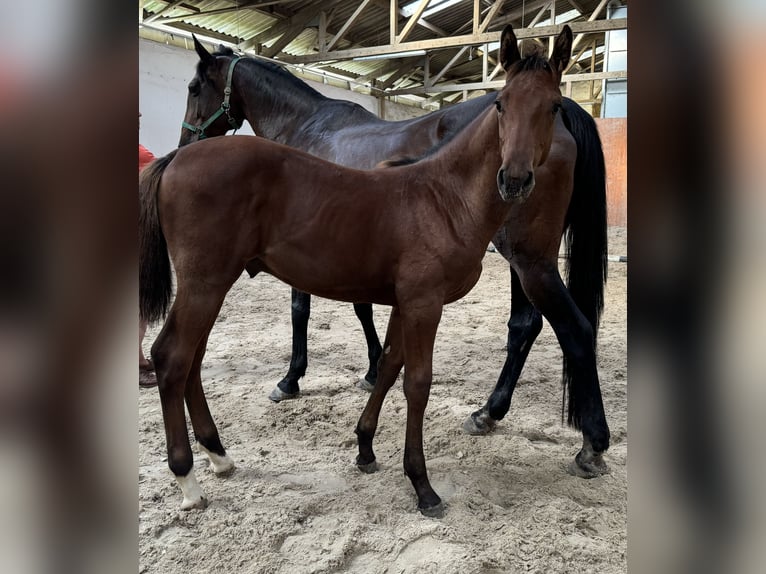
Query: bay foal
(411, 237)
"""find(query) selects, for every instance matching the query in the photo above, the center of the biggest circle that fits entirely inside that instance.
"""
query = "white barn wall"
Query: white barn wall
(164, 74)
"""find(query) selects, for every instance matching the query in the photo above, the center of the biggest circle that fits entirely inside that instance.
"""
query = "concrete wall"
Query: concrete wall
(164, 74)
(614, 138)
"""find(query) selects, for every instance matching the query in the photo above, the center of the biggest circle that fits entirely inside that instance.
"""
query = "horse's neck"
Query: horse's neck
(277, 111)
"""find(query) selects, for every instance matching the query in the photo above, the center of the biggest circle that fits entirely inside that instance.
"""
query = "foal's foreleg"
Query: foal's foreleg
(205, 431)
(419, 326)
(389, 366)
(364, 314)
(524, 326)
(288, 387)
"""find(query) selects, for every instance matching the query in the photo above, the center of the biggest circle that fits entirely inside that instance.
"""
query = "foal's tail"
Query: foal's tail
(585, 232)
(154, 276)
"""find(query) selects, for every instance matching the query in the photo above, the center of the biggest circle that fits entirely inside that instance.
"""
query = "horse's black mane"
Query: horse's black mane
(296, 84)
(530, 63)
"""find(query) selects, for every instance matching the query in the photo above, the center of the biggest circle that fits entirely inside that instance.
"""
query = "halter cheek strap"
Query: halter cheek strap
(224, 109)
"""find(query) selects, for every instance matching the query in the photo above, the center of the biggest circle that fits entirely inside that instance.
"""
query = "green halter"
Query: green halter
(224, 109)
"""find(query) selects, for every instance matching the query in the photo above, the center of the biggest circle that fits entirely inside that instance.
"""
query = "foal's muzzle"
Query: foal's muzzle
(515, 187)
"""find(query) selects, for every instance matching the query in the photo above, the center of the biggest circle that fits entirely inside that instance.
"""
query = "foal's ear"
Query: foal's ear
(204, 56)
(562, 50)
(508, 53)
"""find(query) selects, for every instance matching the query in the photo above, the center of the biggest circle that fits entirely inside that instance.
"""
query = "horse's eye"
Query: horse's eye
(498, 106)
(556, 108)
(194, 89)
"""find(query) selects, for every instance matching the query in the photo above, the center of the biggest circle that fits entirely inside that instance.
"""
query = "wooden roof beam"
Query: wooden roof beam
(456, 41)
(347, 24)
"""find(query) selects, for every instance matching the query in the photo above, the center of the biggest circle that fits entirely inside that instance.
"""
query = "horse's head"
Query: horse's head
(210, 111)
(527, 107)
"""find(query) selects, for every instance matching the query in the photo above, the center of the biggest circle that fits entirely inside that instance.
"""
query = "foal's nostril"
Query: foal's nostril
(530, 179)
(501, 178)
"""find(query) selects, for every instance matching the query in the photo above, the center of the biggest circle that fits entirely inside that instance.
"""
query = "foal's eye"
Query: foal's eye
(498, 106)
(556, 108)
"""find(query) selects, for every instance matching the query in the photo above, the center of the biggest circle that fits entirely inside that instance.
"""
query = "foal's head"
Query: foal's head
(527, 107)
(206, 96)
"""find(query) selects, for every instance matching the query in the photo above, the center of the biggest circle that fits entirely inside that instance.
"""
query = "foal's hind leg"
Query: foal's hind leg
(575, 334)
(523, 328)
(174, 353)
(205, 431)
(364, 314)
(300, 309)
(389, 366)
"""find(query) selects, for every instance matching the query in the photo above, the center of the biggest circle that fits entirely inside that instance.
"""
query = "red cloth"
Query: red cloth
(145, 157)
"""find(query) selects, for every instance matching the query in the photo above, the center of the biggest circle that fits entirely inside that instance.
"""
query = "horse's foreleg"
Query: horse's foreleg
(364, 314)
(205, 431)
(419, 326)
(390, 365)
(523, 328)
(288, 387)
(575, 335)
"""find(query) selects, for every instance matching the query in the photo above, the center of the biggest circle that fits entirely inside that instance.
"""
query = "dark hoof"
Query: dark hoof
(588, 468)
(368, 468)
(436, 511)
(278, 395)
(365, 385)
(147, 379)
(479, 424)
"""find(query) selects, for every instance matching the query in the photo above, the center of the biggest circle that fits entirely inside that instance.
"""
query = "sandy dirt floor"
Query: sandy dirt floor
(297, 503)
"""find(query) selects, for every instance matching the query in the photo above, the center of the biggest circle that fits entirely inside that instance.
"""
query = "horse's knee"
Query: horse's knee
(417, 387)
(525, 325)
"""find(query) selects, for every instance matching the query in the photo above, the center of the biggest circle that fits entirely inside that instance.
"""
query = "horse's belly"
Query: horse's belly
(331, 279)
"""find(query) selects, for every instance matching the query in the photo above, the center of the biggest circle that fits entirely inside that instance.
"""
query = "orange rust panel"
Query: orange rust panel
(614, 138)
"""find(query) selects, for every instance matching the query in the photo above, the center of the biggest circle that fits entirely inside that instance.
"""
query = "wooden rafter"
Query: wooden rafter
(348, 24)
(456, 87)
(388, 67)
(449, 64)
(491, 14)
(456, 41)
(591, 18)
(400, 73)
(412, 21)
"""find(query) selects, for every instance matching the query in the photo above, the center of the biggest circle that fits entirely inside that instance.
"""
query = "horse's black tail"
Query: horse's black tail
(585, 234)
(154, 275)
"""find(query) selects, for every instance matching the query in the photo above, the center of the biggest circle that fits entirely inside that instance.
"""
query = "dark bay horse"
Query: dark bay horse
(282, 108)
(225, 205)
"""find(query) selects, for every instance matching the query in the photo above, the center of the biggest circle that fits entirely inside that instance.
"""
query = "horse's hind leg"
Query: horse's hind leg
(575, 334)
(174, 353)
(364, 314)
(205, 431)
(523, 328)
(288, 387)
(389, 366)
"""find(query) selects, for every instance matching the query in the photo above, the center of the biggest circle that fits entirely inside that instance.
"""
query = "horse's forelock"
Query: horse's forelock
(223, 51)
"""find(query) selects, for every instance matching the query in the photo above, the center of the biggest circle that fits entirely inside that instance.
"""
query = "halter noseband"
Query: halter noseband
(224, 109)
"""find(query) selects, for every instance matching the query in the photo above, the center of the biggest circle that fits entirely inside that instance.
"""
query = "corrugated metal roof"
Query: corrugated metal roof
(238, 21)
